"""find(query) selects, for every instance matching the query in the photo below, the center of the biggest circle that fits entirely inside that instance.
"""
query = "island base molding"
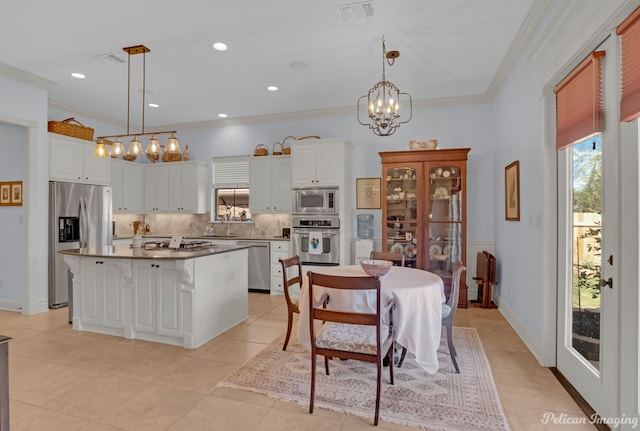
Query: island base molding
(182, 302)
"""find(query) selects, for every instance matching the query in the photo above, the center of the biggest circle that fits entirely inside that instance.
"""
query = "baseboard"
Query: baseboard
(39, 306)
(532, 343)
(10, 305)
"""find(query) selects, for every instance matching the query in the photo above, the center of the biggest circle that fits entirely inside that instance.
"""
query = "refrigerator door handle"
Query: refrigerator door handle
(84, 224)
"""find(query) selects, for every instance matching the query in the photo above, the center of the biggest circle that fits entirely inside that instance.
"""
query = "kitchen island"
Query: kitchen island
(179, 297)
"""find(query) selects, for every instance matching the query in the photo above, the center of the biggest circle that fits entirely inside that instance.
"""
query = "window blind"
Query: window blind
(579, 109)
(629, 32)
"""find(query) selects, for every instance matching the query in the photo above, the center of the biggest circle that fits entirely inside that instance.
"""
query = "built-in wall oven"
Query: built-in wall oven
(316, 239)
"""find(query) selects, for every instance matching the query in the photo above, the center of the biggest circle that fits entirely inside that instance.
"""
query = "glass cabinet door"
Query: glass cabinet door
(402, 229)
(445, 219)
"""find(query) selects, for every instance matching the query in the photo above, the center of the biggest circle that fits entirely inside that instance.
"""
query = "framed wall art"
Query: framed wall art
(16, 193)
(11, 193)
(5, 193)
(368, 193)
(512, 192)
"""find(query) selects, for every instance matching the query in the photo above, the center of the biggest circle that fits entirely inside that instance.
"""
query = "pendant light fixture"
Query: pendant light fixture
(383, 101)
(135, 148)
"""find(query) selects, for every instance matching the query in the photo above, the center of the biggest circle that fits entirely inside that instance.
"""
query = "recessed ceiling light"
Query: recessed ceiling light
(222, 115)
(219, 46)
(78, 75)
(153, 105)
(272, 88)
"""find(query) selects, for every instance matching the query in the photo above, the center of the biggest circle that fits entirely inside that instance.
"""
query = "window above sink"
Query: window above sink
(233, 202)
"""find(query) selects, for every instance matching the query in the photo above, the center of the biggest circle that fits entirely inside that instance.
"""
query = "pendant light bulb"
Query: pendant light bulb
(173, 146)
(100, 150)
(117, 150)
(135, 148)
(153, 148)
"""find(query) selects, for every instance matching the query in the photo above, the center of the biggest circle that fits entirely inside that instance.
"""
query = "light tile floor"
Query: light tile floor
(62, 379)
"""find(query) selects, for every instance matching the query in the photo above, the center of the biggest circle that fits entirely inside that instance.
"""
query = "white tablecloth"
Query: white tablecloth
(417, 317)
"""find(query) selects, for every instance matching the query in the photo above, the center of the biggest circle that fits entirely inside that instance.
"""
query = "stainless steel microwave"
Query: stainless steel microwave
(315, 200)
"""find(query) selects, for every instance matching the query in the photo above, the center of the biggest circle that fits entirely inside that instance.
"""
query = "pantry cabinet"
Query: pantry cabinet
(270, 184)
(424, 210)
(72, 160)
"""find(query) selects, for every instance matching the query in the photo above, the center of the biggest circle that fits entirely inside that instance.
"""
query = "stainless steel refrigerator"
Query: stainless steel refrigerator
(79, 217)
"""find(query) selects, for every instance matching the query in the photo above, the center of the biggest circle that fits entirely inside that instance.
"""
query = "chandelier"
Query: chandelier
(383, 101)
(154, 148)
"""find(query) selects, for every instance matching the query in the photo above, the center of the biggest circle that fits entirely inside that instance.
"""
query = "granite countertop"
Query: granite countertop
(213, 238)
(124, 251)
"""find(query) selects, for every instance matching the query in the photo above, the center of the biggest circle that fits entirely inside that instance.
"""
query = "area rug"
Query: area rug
(445, 401)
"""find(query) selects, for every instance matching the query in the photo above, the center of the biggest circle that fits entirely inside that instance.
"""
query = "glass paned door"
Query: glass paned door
(445, 219)
(586, 161)
(589, 233)
(402, 213)
(587, 345)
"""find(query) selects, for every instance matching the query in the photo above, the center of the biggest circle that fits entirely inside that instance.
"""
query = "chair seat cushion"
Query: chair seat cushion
(350, 338)
(446, 310)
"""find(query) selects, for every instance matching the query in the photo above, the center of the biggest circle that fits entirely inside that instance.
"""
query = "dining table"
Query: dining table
(417, 317)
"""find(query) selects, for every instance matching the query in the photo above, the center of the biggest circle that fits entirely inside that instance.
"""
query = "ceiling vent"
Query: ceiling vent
(353, 11)
(110, 58)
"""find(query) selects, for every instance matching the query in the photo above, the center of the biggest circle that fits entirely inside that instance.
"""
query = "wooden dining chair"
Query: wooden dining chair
(448, 313)
(288, 282)
(348, 334)
(396, 258)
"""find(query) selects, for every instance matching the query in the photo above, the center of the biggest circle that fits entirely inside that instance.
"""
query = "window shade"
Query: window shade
(579, 111)
(629, 32)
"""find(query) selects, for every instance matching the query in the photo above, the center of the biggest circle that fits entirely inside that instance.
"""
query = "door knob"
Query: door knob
(607, 282)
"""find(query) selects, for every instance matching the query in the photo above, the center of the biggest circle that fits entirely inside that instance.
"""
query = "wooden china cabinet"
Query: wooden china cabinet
(424, 210)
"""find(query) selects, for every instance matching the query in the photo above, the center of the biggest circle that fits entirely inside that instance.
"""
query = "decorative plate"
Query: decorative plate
(410, 250)
(434, 250)
(396, 248)
(446, 250)
(446, 173)
(441, 193)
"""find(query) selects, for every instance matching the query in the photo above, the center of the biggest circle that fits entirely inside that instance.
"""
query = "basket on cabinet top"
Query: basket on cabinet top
(261, 150)
(66, 127)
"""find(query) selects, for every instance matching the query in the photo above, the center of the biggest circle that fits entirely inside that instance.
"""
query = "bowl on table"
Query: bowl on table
(376, 268)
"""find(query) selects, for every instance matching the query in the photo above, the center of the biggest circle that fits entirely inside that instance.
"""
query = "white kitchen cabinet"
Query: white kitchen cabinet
(127, 182)
(72, 160)
(101, 299)
(270, 184)
(188, 188)
(318, 162)
(156, 298)
(279, 250)
(156, 188)
(176, 187)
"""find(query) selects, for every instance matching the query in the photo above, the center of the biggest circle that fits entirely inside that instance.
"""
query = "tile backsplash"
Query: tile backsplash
(261, 225)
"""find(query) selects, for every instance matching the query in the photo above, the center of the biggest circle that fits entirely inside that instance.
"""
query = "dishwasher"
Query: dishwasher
(259, 265)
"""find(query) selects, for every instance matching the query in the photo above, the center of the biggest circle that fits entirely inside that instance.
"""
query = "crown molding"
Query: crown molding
(521, 43)
(25, 77)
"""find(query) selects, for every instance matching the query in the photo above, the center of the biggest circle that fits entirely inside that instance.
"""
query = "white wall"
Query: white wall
(519, 247)
(26, 105)
(13, 144)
